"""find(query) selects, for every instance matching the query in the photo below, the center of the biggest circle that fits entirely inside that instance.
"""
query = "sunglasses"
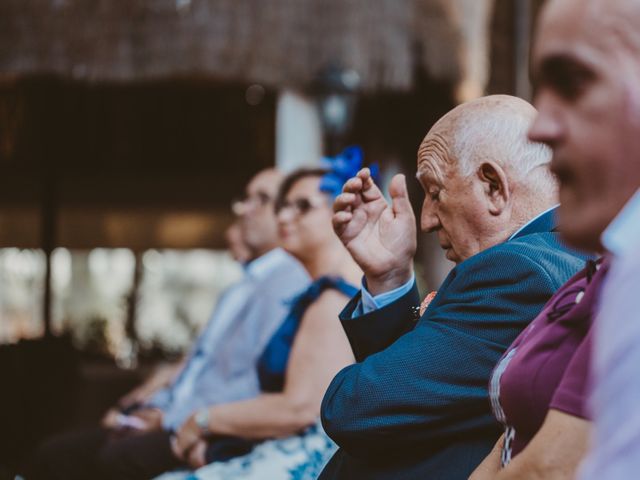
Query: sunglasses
(301, 206)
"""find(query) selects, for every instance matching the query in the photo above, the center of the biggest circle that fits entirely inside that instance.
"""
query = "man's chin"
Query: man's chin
(581, 227)
(451, 255)
(582, 236)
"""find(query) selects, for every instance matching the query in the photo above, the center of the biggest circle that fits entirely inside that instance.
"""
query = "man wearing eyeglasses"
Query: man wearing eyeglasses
(134, 439)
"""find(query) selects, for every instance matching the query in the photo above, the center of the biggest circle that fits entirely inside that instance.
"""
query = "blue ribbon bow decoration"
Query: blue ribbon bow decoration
(342, 167)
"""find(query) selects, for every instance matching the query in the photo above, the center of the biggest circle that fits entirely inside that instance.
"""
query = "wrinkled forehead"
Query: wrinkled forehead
(434, 158)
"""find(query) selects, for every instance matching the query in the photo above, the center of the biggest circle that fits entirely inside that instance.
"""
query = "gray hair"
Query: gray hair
(498, 134)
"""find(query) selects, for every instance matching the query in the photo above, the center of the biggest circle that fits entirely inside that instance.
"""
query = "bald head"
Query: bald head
(492, 128)
(483, 179)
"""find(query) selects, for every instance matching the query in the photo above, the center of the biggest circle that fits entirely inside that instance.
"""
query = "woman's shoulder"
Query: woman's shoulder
(329, 300)
(329, 283)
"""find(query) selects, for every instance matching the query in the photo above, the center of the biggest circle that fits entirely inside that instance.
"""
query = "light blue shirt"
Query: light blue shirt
(615, 395)
(368, 303)
(221, 365)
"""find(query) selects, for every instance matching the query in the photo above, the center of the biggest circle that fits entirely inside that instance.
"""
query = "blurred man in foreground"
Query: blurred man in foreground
(588, 95)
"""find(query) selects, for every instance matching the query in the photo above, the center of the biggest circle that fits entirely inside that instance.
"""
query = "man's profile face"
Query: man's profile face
(587, 91)
(258, 219)
(236, 243)
(453, 210)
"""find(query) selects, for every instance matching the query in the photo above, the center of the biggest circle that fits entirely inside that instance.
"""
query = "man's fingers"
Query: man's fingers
(345, 201)
(364, 174)
(363, 187)
(353, 185)
(399, 195)
(370, 190)
(340, 222)
(341, 218)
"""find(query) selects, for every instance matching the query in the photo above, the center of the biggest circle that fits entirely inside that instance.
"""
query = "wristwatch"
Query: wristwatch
(201, 418)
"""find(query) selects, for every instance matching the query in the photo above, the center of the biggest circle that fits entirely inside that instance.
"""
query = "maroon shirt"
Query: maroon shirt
(547, 365)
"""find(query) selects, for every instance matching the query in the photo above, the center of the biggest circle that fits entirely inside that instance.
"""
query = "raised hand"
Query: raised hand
(380, 237)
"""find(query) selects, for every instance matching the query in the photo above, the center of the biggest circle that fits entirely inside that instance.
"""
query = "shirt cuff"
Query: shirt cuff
(368, 303)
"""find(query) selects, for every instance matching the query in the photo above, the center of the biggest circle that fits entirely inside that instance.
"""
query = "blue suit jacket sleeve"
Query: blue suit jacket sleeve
(430, 384)
(375, 331)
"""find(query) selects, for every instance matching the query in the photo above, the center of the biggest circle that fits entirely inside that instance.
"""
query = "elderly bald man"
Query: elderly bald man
(416, 404)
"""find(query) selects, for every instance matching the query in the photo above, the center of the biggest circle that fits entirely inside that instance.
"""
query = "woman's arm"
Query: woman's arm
(490, 466)
(319, 351)
(555, 451)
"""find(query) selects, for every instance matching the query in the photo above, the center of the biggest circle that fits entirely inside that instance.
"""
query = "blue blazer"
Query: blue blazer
(416, 404)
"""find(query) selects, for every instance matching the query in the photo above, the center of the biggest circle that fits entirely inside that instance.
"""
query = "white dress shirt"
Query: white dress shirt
(221, 365)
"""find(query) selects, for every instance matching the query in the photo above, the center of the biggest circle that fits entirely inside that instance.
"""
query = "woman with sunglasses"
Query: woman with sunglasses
(280, 427)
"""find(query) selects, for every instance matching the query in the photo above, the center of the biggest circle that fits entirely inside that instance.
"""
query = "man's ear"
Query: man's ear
(495, 185)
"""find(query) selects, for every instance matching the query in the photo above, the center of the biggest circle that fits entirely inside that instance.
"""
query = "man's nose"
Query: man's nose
(547, 126)
(429, 220)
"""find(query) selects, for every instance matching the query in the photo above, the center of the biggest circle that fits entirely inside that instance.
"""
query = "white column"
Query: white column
(473, 17)
(298, 132)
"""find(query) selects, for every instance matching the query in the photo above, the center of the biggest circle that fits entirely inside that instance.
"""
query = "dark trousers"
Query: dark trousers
(99, 454)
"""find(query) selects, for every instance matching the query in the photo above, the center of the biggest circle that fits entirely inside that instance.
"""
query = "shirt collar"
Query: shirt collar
(532, 221)
(262, 266)
(623, 233)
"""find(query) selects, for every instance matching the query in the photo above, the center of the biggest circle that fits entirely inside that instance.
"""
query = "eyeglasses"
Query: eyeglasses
(301, 206)
(245, 203)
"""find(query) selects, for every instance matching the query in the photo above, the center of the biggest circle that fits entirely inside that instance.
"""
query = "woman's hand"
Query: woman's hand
(197, 455)
(186, 439)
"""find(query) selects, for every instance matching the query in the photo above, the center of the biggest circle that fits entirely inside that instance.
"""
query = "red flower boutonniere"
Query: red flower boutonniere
(427, 300)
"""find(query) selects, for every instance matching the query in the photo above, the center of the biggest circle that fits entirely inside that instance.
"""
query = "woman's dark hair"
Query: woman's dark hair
(291, 179)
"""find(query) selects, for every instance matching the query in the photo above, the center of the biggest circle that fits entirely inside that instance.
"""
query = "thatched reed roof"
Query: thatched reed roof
(279, 43)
